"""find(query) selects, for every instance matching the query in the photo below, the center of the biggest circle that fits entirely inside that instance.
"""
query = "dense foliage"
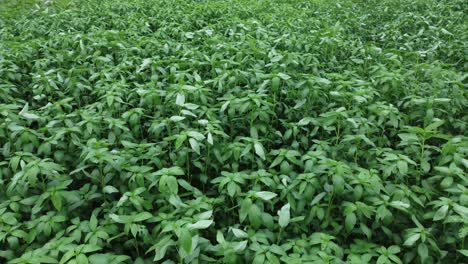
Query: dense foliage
(234, 132)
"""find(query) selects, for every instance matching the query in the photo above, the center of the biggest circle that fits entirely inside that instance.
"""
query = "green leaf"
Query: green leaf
(395, 259)
(435, 125)
(180, 99)
(423, 252)
(205, 215)
(446, 182)
(161, 252)
(259, 150)
(110, 189)
(67, 256)
(24, 113)
(400, 205)
(220, 237)
(425, 166)
(366, 231)
(46, 259)
(189, 35)
(255, 216)
(272, 258)
(185, 240)
(57, 200)
(275, 83)
(180, 141)
(93, 222)
(402, 167)
(412, 239)
(394, 249)
(240, 246)
(231, 188)
(408, 138)
(209, 138)
(202, 224)
(99, 259)
(284, 76)
(177, 118)
(239, 233)
(350, 222)
(88, 248)
(464, 252)
(142, 217)
(266, 196)
(461, 210)
(284, 215)
(259, 259)
(196, 135)
(441, 213)
(318, 198)
(81, 259)
(194, 145)
(382, 260)
(168, 184)
(244, 209)
(161, 247)
(276, 161)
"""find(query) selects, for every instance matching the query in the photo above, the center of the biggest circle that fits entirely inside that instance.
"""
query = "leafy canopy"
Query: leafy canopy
(233, 131)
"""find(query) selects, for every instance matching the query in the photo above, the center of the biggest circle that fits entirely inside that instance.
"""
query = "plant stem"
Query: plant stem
(278, 239)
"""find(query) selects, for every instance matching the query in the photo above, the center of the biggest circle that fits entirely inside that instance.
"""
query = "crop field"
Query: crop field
(233, 131)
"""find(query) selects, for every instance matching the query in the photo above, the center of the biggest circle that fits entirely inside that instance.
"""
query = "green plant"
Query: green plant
(233, 131)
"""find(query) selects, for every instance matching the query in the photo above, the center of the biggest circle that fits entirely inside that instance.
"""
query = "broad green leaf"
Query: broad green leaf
(240, 246)
(423, 251)
(93, 222)
(67, 256)
(202, 224)
(255, 216)
(180, 141)
(266, 196)
(57, 200)
(244, 209)
(382, 259)
(168, 184)
(180, 99)
(239, 233)
(142, 217)
(90, 248)
(82, 259)
(259, 259)
(350, 222)
(412, 239)
(259, 150)
(284, 215)
(461, 210)
(441, 213)
(366, 231)
(110, 189)
(177, 118)
(394, 249)
(318, 198)
(185, 240)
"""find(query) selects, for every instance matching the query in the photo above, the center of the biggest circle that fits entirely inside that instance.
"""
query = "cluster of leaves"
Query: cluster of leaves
(234, 131)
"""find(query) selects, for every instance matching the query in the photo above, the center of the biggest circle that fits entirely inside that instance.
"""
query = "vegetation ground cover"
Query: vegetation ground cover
(237, 131)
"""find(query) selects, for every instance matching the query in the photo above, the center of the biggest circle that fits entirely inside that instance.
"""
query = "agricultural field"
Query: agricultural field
(233, 131)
